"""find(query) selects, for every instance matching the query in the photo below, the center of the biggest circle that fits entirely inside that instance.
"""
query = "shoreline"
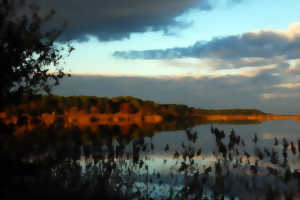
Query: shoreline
(82, 118)
(261, 118)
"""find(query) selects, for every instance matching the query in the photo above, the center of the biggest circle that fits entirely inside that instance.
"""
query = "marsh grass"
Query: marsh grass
(56, 162)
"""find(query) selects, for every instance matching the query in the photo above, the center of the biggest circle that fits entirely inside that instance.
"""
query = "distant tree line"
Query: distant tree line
(38, 104)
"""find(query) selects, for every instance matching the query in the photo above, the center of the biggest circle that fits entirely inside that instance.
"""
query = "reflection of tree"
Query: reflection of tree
(89, 164)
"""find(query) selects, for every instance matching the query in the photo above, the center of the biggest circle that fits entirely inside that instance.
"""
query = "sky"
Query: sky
(202, 53)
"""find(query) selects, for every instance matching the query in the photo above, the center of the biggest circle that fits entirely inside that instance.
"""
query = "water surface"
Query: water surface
(156, 158)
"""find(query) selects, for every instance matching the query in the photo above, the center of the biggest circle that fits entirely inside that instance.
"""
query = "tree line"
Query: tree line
(38, 104)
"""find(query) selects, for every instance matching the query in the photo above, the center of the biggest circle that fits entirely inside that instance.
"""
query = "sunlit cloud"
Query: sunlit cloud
(288, 85)
(293, 31)
(278, 95)
(204, 72)
(264, 43)
(246, 71)
(295, 66)
(268, 59)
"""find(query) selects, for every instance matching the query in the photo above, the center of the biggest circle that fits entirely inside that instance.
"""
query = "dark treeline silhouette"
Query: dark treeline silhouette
(29, 56)
(29, 60)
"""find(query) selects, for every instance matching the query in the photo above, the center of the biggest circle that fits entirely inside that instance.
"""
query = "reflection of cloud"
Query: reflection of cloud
(271, 136)
(267, 135)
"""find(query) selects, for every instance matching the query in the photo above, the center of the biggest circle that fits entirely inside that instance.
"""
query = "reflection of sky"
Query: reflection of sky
(265, 131)
(166, 163)
(289, 129)
(163, 162)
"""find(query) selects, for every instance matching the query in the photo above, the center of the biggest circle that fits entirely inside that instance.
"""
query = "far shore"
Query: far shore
(82, 118)
(249, 117)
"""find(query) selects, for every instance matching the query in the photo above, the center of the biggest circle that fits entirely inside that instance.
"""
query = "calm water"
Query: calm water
(266, 132)
(147, 156)
(162, 157)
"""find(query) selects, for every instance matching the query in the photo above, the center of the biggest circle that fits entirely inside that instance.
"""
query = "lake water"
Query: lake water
(164, 162)
(161, 159)
(266, 132)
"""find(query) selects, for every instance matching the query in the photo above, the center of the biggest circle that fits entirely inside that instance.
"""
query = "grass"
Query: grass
(56, 162)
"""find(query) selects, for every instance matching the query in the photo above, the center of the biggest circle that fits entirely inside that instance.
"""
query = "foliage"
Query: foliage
(29, 56)
(40, 104)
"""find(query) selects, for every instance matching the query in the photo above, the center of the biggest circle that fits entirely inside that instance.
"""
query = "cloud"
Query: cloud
(117, 19)
(205, 92)
(295, 68)
(248, 62)
(251, 49)
(279, 95)
(288, 85)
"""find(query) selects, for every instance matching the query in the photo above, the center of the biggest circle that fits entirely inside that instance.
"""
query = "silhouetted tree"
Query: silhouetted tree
(29, 56)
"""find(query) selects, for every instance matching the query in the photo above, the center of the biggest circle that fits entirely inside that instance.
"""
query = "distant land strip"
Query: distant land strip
(88, 111)
(264, 117)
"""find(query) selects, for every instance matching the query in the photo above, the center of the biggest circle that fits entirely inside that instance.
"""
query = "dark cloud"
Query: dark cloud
(264, 44)
(117, 19)
(206, 92)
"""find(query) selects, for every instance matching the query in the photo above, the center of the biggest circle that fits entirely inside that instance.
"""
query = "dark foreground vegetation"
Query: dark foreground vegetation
(38, 104)
(56, 162)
